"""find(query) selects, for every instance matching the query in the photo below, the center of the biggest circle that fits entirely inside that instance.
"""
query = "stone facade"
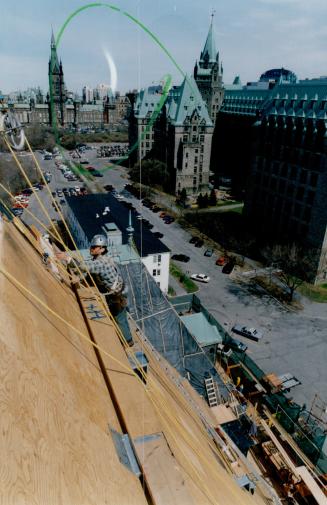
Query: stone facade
(287, 189)
(180, 137)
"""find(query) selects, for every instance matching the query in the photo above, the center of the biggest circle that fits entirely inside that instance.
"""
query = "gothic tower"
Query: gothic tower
(56, 86)
(208, 74)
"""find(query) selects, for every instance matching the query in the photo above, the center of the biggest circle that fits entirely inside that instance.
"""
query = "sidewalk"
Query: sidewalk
(173, 283)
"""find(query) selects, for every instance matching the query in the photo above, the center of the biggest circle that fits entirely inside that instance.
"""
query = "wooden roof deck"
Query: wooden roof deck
(56, 410)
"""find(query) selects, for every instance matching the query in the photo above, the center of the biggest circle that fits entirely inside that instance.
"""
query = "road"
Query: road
(293, 342)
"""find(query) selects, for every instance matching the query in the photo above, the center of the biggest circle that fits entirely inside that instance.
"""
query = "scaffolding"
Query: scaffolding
(160, 323)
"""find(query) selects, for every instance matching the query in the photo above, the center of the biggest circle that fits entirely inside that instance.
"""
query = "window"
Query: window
(184, 138)
(195, 170)
(310, 197)
(154, 272)
(159, 258)
(196, 151)
(303, 177)
(314, 179)
(194, 128)
(194, 138)
(158, 272)
(185, 166)
(195, 159)
(186, 154)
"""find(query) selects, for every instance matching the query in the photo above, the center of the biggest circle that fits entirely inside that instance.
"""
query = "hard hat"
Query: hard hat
(99, 240)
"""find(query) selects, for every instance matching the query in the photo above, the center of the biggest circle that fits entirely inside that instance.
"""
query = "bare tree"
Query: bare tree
(297, 265)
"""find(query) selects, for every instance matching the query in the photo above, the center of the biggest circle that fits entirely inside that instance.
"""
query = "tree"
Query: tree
(151, 173)
(205, 201)
(199, 201)
(213, 198)
(183, 196)
(40, 137)
(296, 265)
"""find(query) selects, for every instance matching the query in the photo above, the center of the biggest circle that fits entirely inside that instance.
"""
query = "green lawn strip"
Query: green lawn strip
(222, 203)
(186, 282)
(314, 293)
(171, 291)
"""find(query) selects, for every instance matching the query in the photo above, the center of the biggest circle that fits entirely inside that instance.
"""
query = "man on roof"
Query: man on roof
(108, 279)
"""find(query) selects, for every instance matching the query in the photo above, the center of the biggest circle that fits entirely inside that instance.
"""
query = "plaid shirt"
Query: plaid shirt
(104, 272)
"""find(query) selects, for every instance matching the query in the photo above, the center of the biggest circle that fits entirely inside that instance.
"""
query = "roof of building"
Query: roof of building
(279, 74)
(204, 332)
(146, 101)
(87, 207)
(91, 107)
(209, 50)
(307, 100)
(188, 100)
(244, 101)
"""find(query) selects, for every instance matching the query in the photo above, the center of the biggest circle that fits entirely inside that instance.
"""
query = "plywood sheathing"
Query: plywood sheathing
(54, 406)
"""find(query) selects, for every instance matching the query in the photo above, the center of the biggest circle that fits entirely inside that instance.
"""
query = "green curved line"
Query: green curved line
(166, 85)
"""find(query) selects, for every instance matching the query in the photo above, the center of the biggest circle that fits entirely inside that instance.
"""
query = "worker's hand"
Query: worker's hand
(74, 279)
(62, 256)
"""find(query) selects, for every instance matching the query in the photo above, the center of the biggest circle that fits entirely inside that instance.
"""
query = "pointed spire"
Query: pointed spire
(209, 51)
(54, 63)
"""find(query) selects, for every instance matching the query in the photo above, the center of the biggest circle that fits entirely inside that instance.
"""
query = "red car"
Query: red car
(221, 261)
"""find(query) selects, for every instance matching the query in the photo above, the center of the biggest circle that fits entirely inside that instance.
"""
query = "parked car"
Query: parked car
(180, 257)
(95, 173)
(158, 234)
(228, 267)
(193, 240)
(200, 277)
(84, 162)
(109, 187)
(162, 214)
(16, 211)
(237, 345)
(247, 332)
(221, 261)
(208, 253)
(199, 243)
(48, 157)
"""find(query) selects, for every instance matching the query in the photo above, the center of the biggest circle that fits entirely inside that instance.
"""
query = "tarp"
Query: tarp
(204, 332)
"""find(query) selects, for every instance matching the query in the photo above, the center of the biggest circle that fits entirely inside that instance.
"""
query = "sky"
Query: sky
(251, 36)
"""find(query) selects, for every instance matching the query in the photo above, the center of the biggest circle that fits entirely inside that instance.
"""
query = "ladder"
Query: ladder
(211, 392)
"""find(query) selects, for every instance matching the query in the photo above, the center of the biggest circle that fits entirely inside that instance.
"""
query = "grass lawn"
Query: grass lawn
(314, 293)
(187, 283)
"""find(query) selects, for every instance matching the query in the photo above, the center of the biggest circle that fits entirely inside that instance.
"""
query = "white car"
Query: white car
(200, 277)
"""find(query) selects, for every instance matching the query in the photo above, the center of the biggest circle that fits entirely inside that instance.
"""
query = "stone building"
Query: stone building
(208, 74)
(180, 136)
(287, 188)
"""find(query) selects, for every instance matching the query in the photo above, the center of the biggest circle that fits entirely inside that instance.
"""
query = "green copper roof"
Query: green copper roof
(210, 46)
(147, 100)
(54, 62)
(188, 101)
